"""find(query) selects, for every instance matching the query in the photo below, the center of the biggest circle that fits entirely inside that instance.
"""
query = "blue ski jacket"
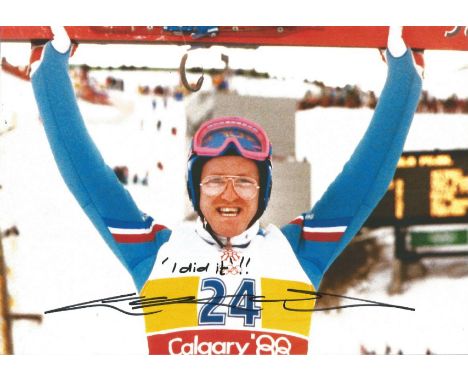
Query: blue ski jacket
(272, 262)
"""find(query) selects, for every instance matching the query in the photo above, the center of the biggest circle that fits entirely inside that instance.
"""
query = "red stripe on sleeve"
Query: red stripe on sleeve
(297, 221)
(322, 236)
(138, 238)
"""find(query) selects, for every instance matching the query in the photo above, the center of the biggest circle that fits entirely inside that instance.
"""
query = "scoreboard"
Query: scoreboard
(429, 187)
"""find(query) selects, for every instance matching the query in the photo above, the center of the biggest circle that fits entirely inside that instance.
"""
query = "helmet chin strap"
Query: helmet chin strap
(228, 253)
(208, 229)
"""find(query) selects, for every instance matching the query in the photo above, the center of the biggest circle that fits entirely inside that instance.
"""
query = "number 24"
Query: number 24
(241, 304)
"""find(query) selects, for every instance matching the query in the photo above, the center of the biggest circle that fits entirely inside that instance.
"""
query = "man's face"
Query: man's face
(227, 213)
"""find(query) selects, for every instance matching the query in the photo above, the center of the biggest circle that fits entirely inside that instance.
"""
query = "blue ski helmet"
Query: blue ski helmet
(230, 136)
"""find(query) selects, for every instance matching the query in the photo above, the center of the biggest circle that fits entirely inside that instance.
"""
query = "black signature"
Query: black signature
(136, 302)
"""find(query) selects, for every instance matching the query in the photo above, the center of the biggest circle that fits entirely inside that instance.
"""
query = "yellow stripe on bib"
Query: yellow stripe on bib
(174, 313)
(287, 314)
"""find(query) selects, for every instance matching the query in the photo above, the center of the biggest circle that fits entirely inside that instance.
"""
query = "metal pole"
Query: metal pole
(5, 324)
(5, 318)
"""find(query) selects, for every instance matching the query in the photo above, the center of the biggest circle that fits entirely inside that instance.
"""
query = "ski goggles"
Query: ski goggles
(244, 186)
(216, 135)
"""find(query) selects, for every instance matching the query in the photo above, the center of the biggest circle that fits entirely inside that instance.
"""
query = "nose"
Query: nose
(229, 194)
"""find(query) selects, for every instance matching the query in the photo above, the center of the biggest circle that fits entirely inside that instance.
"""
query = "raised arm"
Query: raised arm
(131, 235)
(321, 234)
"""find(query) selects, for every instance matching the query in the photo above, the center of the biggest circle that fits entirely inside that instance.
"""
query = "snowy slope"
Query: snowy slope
(58, 258)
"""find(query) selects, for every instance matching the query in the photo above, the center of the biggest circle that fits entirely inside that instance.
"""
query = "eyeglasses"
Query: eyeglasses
(244, 186)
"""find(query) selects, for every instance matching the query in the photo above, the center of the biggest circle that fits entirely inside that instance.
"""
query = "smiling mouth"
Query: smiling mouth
(228, 211)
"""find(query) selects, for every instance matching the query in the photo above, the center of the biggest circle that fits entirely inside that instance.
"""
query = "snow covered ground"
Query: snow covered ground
(59, 259)
(438, 324)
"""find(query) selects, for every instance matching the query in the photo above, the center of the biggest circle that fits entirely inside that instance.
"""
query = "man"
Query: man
(227, 286)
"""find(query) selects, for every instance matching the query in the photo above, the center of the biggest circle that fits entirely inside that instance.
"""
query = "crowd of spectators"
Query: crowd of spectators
(351, 96)
(87, 88)
(123, 175)
(219, 81)
(11, 231)
(114, 83)
(452, 104)
(388, 351)
(348, 96)
(327, 96)
(162, 91)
